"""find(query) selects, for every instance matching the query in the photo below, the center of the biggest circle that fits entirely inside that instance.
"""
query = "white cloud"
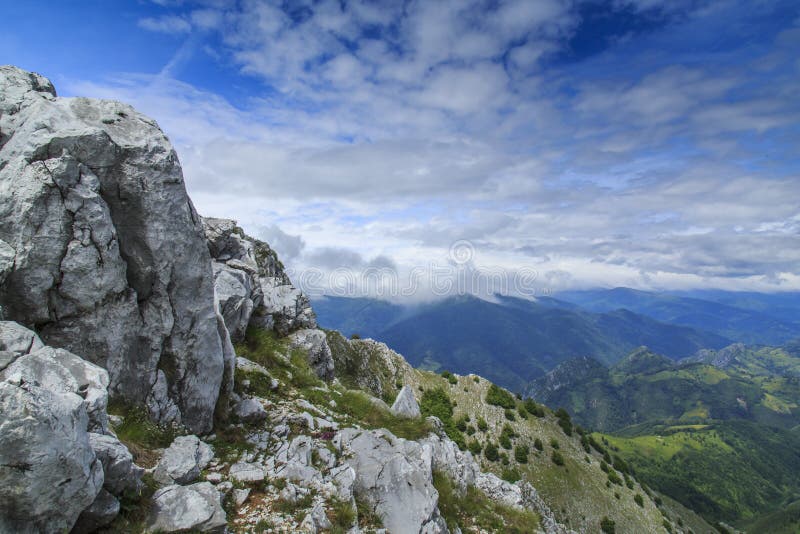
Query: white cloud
(169, 24)
(445, 122)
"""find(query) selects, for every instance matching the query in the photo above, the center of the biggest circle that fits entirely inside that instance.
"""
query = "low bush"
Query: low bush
(498, 396)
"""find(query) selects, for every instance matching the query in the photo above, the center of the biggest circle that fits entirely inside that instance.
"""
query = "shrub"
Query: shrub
(620, 465)
(475, 447)
(557, 458)
(490, 452)
(608, 526)
(469, 430)
(476, 379)
(343, 515)
(498, 396)
(522, 413)
(564, 421)
(505, 441)
(450, 377)
(521, 454)
(604, 466)
(638, 500)
(613, 477)
(355, 336)
(461, 423)
(533, 408)
(482, 425)
(504, 458)
(538, 444)
(511, 475)
(436, 402)
(554, 443)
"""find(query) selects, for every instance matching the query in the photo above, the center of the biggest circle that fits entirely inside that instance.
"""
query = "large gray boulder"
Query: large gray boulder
(314, 343)
(394, 475)
(48, 471)
(60, 370)
(100, 513)
(182, 462)
(16, 338)
(110, 259)
(405, 405)
(195, 508)
(121, 474)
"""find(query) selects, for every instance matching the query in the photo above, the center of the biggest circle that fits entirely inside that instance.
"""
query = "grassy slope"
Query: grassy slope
(730, 471)
(748, 389)
(577, 492)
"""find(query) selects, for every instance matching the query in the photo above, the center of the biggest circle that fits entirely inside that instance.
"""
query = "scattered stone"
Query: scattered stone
(246, 472)
(249, 410)
(100, 513)
(181, 508)
(182, 462)
(214, 478)
(240, 495)
(120, 472)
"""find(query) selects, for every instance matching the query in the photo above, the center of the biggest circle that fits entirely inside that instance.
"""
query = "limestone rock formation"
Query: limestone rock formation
(314, 343)
(195, 508)
(59, 461)
(405, 405)
(395, 476)
(109, 257)
(183, 460)
(250, 283)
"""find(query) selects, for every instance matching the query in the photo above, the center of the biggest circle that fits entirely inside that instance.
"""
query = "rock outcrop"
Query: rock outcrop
(182, 462)
(102, 251)
(60, 465)
(405, 405)
(251, 284)
(395, 476)
(195, 508)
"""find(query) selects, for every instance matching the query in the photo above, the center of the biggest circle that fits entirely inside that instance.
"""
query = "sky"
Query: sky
(642, 143)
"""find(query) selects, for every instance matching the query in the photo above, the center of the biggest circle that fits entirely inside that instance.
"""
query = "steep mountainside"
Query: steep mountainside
(485, 418)
(699, 430)
(513, 341)
(646, 387)
(748, 319)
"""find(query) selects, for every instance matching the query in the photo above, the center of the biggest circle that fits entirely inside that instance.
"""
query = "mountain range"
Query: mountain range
(700, 429)
(513, 341)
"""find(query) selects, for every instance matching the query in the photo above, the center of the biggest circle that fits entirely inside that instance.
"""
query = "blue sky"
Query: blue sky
(645, 143)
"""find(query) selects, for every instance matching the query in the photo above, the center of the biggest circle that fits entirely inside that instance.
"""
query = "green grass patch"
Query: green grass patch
(473, 508)
(264, 347)
(141, 435)
(357, 405)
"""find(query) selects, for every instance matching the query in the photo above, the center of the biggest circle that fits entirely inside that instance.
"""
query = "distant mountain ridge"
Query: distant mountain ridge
(751, 318)
(510, 340)
(760, 384)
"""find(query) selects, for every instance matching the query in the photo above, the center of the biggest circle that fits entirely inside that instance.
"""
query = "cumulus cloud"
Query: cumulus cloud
(390, 131)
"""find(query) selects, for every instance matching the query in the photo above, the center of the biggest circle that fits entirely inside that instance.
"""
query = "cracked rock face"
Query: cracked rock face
(102, 251)
(48, 471)
(251, 285)
(395, 475)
